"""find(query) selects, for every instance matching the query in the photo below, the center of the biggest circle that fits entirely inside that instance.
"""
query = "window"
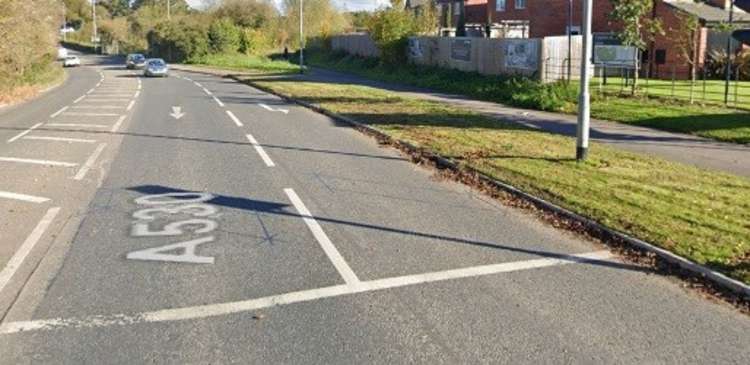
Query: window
(500, 5)
(520, 4)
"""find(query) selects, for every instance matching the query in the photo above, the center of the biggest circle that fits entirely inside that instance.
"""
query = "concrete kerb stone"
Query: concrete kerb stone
(600, 230)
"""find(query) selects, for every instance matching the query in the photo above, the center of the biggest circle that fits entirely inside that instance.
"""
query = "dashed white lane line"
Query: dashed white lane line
(19, 135)
(117, 125)
(234, 118)
(59, 112)
(136, 94)
(242, 306)
(90, 162)
(104, 100)
(22, 197)
(38, 162)
(198, 84)
(84, 125)
(130, 105)
(17, 260)
(90, 91)
(258, 148)
(97, 107)
(218, 101)
(79, 99)
(331, 251)
(208, 91)
(60, 139)
(78, 114)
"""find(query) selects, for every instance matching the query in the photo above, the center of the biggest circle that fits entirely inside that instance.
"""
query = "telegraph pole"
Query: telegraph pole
(95, 37)
(169, 10)
(65, 22)
(728, 68)
(570, 38)
(584, 110)
(301, 39)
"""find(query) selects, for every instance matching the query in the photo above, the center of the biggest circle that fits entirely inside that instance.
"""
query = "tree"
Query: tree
(224, 36)
(637, 27)
(116, 7)
(390, 29)
(322, 19)
(247, 13)
(685, 40)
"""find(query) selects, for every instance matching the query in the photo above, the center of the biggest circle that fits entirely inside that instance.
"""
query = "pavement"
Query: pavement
(194, 219)
(693, 150)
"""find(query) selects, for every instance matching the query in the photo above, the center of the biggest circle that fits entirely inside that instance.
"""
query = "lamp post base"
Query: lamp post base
(582, 153)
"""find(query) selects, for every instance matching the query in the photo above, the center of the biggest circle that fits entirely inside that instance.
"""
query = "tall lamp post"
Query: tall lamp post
(301, 39)
(95, 37)
(570, 39)
(582, 135)
(728, 68)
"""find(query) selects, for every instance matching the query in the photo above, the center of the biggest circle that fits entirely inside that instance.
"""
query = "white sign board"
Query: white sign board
(521, 53)
(620, 56)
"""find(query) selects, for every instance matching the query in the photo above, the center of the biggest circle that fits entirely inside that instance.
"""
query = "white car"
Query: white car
(62, 53)
(71, 61)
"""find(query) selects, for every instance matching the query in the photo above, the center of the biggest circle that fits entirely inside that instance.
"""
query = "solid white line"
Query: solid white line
(234, 119)
(23, 197)
(76, 125)
(266, 107)
(136, 94)
(218, 101)
(92, 114)
(101, 99)
(79, 99)
(90, 162)
(212, 310)
(333, 254)
(117, 125)
(90, 91)
(97, 107)
(207, 91)
(38, 162)
(130, 105)
(60, 139)
(197, 84)
(260, 150)
(58, 112)
(15, 262)
(35, 126)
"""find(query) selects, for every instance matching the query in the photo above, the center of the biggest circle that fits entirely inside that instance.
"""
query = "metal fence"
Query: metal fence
(707, 88)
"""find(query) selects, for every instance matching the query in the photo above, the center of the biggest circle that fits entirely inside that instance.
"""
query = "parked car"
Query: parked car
(62, 53)
(156, 67)
(135, 61)
(71, 61)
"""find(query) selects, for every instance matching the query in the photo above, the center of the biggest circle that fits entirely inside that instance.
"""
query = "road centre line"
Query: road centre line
(38, 162)
(97, 107)
(17, 136)
(117, 124)
(234, 118)
(90, 90)
(258, 148)
(331, 251)
(207, 91)
(90, 162)
(136, 94)
(59, 112)
(198, 84)
(16, 261)
(130, 105)
(60, 139)
(79, 99)
(218, 101)
(23, 197)
(85, 125)
(242, 306)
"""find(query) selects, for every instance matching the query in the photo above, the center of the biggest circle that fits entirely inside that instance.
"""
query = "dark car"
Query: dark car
(135, 61)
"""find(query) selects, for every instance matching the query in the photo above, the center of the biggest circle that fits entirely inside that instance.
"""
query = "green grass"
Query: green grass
(704, 216)
(710, 121)
(712, 93)
(241, 62)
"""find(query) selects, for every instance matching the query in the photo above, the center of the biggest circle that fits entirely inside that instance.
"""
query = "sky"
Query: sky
(348, 5)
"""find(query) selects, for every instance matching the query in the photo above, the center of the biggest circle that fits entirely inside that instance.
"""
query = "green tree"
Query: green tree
(224, 36)
(322, 19)
(247, 13)
(390, 29)
(685, 38)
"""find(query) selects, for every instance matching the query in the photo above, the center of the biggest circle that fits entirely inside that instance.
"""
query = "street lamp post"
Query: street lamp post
(728, 67)
(570, 38)
(582, 140)
(95, 36)
(301, 39)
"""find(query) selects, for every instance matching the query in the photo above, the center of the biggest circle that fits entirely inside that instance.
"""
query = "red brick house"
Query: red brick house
(542, 18)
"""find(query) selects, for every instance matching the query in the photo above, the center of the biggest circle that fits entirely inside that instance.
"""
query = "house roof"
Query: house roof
(707, 12)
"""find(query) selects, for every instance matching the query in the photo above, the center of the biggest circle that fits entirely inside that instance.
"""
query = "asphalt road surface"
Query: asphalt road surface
(192, 219)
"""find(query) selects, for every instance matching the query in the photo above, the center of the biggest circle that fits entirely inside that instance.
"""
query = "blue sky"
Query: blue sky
(350, 5)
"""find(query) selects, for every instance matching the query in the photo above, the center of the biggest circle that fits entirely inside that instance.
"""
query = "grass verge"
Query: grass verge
(701, 215)
(14, 89)
(724, 124)
(241, 62)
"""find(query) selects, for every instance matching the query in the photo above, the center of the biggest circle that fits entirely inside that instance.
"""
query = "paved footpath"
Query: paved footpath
(196, 220)
(684, 148)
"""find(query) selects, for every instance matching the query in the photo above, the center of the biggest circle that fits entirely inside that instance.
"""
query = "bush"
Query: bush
(254, 41)
(178, 42)
(390, 30)
(224, 36)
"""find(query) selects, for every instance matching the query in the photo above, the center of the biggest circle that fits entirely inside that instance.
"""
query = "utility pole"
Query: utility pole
(728, 68)
(301, 39)
(570, 39)
(169, 10)
(584, 110)
(65, 23)
(95, 37)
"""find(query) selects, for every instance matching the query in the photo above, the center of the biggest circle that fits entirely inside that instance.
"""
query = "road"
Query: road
(192, 219)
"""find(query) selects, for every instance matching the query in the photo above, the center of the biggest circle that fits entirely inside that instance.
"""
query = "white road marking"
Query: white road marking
(207, 91)
(76, 125)
(19, 135)
(79, 99)
(38, 162)
(60, 139)
(130, 105)
(58, 112)
(23, 197)
(266, 107)
(234, 118)
(331, 251)
(92, 114)
(242, 306)
(97, 107)
(117, 125)
(218, 101)
(104, 100)
(260, 150)
(162, 253)
(177, 112)
(17, 260)
(90, 162)
(198, 84)
(136, 94)
(90, 91)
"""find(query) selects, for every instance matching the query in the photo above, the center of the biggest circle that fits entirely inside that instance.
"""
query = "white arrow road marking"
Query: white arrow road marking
(177, 112)
(266, 107)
